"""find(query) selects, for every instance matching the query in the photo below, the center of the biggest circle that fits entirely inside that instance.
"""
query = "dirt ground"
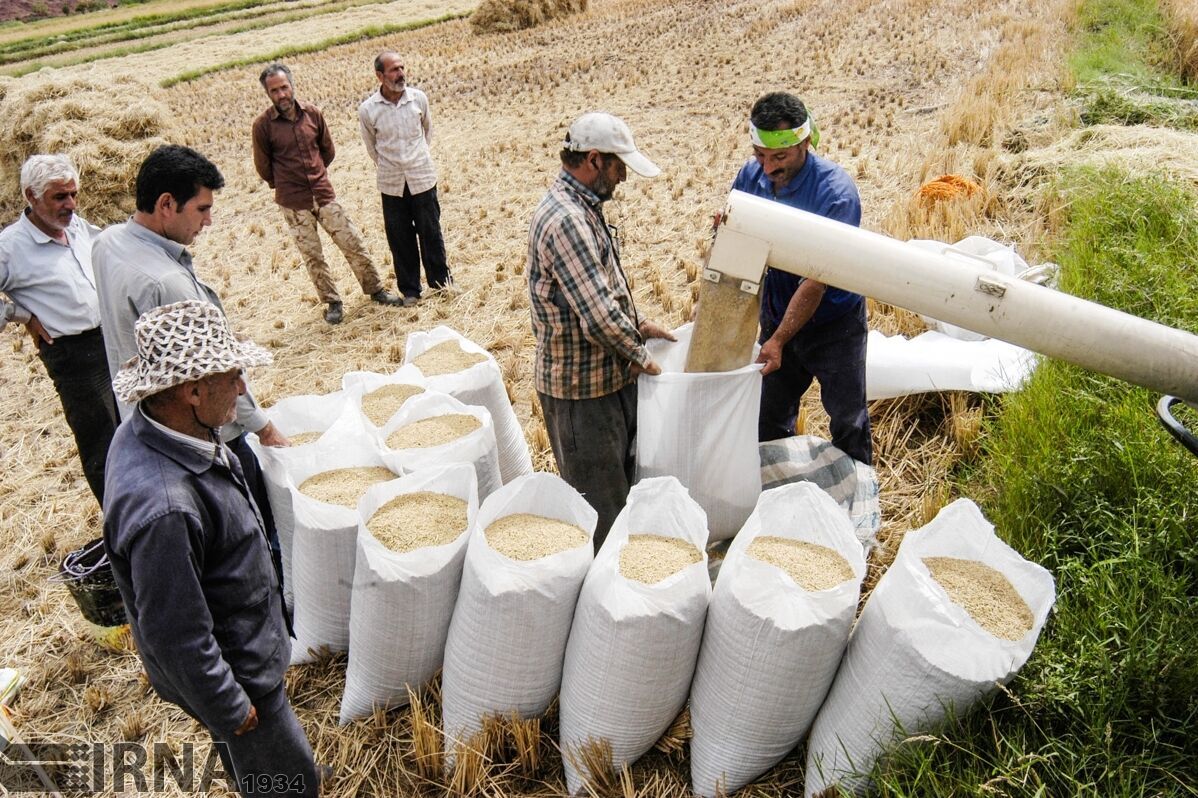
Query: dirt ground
(876, 76)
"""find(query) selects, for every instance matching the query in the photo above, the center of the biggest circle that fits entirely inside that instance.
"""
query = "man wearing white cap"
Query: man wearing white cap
(590, 339)
(189, 549)
(808, 330)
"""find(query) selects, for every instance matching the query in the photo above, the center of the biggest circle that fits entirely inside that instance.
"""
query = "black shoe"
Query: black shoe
(385, 297)
(410, 301)
(334, 314)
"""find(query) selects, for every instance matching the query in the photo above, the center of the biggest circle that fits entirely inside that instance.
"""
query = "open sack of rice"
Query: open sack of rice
(433, 429)
(808, 458)
(327, 480)
(636, 631)
(958, 612)
(411, 544)
(529, 552)
(461, 368)
(380, 396)
(778, 624)
(702, 429)
(304, 420)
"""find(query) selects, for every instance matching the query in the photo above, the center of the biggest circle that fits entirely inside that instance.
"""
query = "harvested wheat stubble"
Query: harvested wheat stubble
(300, 438)
(433, 431)
(984, 593)
(344, 486)
(812, 566)
(446, 357)
(523, 536)
(652, 558)
(415, 520)
(379, 405)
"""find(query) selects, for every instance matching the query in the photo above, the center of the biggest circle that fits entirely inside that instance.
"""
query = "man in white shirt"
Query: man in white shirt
(396, 129)
(46, 271)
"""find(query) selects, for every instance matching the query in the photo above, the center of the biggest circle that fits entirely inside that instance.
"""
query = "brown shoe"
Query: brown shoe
(385, 297)
(334, 314)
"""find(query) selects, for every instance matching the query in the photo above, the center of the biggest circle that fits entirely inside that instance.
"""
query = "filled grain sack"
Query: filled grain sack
(380, 396)
(701, 429)
(636, 630)
(461, 368)
(304, 420)
(958, 612)
(433, 429)
(326, 482)
(509, 629)
(808, 458)
(411, 544)
(778, 624)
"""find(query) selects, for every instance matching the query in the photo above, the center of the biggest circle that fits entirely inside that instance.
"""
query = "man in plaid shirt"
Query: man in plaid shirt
(590, 340)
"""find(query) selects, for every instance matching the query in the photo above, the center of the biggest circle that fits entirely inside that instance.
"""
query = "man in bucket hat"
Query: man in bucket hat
(590, 339)
(189, 549)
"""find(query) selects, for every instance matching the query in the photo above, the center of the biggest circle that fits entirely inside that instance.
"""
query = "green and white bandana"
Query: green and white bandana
(781, 139)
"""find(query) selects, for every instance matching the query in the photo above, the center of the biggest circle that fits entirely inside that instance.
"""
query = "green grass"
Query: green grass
(368, 32)
(1078, 475)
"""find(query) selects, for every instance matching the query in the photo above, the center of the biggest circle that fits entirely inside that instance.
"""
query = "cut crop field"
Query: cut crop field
(885, 81)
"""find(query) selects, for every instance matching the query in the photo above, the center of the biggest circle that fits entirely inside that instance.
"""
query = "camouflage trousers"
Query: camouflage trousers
(332, 218)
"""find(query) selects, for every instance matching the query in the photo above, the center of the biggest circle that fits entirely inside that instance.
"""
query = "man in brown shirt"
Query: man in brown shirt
(292, 151)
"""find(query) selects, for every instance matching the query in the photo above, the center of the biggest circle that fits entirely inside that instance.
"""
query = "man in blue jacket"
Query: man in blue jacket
(808, 329)
(189, 548)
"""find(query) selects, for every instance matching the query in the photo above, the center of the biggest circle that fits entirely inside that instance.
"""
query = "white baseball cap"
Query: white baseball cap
(606, 133)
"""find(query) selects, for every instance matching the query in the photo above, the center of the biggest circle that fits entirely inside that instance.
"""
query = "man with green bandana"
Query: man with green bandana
(808, 330)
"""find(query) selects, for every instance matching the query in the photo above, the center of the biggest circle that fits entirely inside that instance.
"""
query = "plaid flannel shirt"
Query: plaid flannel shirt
(583, 316)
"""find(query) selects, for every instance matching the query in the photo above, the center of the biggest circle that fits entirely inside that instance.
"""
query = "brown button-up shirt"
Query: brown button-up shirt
(292, 157)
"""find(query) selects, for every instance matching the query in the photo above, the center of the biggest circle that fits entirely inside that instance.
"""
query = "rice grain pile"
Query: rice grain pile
(446, 357)
(523, 536)
(652, 558)
(984, 593)
(300, 438)
(505, 16)
(344, 486)
(813, 567)
(433, 431)
(416, 520)
(379, 405)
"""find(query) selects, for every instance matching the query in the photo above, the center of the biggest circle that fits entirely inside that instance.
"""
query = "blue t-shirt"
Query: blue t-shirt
(820, 187)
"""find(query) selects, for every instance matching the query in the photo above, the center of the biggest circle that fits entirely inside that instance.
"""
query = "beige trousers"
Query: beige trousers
(332, 218)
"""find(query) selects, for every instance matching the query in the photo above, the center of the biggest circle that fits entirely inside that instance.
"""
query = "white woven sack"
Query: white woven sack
(476, 448)
(324, 548)
(328, 414)
(702, 429)
(914, 653)
(770, 648)
(481, 384)
(509, 629)
(633, 646)
(356, 384)
(402, 603)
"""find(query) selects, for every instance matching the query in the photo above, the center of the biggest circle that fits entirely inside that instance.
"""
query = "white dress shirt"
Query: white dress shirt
(397, 136)
(48, 279)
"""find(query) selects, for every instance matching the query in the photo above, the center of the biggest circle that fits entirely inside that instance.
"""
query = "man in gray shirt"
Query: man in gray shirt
(143, 264)
(46, 271)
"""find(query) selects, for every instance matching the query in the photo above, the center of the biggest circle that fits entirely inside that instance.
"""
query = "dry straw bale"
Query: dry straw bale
(379, 405)
(107, 127)
(984, 593)
(343, 486)
(447, 357)
(415, 520)
(813, 567)
(505, 16)
(652, 558)
(433, 431)
(523, 536)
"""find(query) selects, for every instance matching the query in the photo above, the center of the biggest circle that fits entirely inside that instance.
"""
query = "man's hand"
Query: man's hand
(37, 332)
(270, 436)
(249, 724)
(771, 356)
(652, 369)
(649, 329)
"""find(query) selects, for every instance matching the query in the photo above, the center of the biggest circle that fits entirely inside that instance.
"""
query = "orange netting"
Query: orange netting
(947, 187)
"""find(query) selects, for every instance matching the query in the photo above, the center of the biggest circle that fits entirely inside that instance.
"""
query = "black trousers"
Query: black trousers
(834, 354)
(409, 220)
(79, 368)
(592, 441)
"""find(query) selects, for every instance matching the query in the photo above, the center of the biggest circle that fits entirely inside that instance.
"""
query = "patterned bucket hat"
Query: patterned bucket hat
(179, 343)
